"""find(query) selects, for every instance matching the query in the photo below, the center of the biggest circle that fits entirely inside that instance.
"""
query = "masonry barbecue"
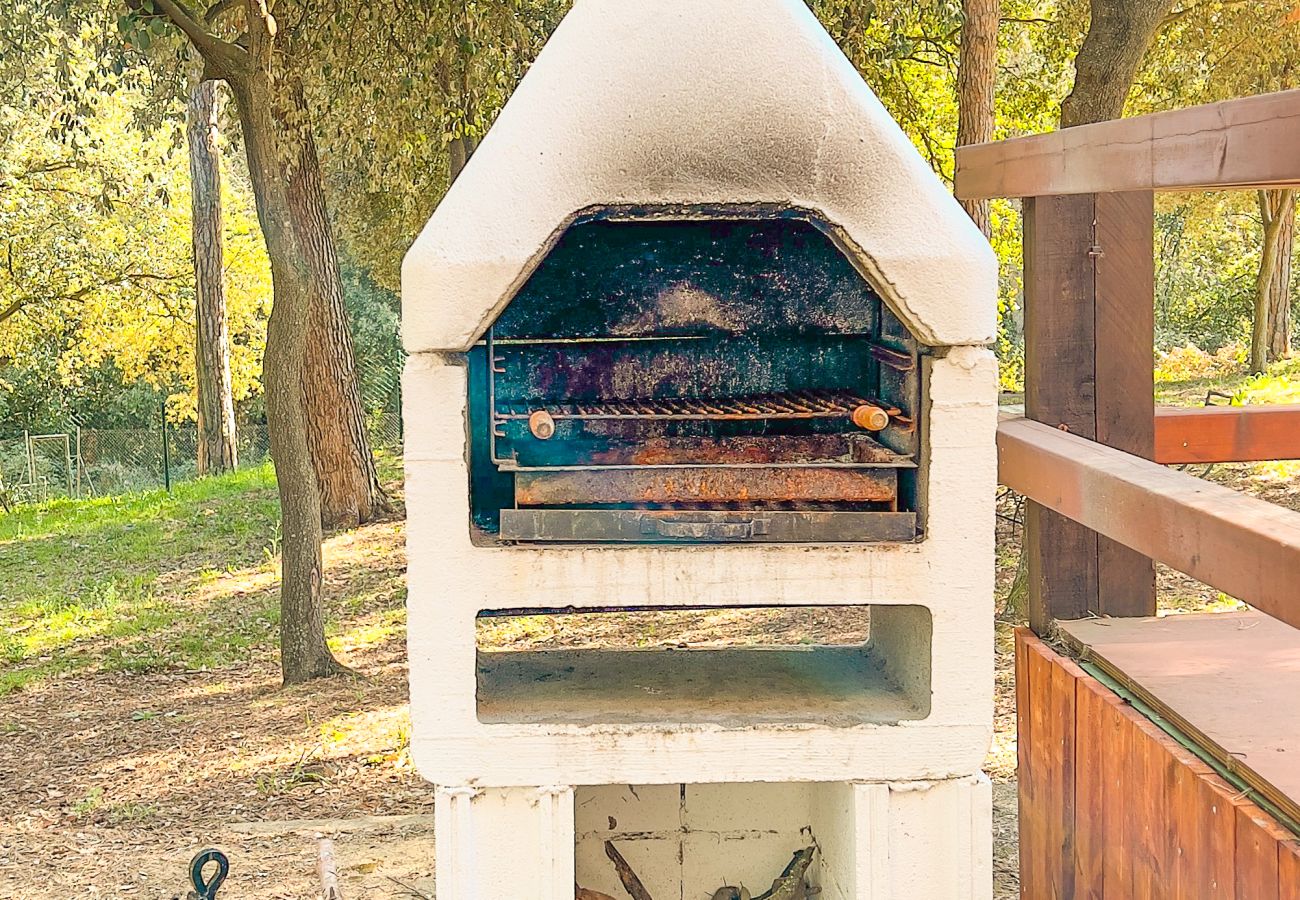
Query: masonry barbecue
(698, 329)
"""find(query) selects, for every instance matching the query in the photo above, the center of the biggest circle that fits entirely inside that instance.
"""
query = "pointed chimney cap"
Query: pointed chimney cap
(696, 103)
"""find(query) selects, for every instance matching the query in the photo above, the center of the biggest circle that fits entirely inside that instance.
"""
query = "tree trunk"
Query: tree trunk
(350, 492)
(216, 406)
(1271, 336)
(977, 74)
(1118, 38)
(273, 139)
(459, 151)
(304, 653)
(1279, 315)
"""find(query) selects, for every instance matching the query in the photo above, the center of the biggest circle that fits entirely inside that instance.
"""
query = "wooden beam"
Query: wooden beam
(1216, 434)
(1245, 143)
(1089, 332)
(1061, 555)
(1246, 547)
(1124, 310)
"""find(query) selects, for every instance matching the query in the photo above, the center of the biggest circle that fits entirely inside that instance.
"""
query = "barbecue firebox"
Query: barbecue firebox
(695, 375)
(698, 331)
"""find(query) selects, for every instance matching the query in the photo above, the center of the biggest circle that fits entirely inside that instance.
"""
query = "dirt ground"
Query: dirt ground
(112, 781)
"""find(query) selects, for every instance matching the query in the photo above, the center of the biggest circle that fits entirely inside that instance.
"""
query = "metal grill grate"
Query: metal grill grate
(812, 404)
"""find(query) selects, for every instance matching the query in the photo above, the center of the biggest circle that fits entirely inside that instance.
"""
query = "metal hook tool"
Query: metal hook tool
(205, 889)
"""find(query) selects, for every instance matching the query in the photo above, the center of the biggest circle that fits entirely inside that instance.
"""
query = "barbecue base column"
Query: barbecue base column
(923, 839)
(504, 843)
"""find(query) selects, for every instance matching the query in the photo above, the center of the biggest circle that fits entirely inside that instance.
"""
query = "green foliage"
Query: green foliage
(96, 282)
(374, 313)
(420, 79)
(1207, 254)
(1280, 384)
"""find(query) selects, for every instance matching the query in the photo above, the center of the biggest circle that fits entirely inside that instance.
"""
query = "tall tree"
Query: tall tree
(1270, 338)
(216, 406)
(977, 74)
(1214, 50)
(1119, 35)
(278, 141)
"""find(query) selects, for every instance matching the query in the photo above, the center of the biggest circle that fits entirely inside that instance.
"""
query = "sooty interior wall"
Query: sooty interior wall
(693, 310)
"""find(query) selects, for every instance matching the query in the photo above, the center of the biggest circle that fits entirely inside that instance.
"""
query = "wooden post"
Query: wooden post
(1089, 336)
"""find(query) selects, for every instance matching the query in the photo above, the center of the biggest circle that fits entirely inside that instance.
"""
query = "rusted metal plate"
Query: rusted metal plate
(728, 450)
(1216, 434)
(705, 485)
(1246, 547)
(594, 526)
(1230, 680)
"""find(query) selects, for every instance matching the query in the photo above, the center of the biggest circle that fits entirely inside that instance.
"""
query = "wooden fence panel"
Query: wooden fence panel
(1288, 870)
(1112, 808)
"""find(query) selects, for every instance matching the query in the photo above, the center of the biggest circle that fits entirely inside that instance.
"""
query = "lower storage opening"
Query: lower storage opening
(827, 665)
(689, 841)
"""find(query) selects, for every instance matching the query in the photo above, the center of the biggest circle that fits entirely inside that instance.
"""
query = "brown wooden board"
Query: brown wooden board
(1060, 391)
(1258, 847)
(1246, 547)
(1089, 328)
(1205, 813)
(1150, 822)
(1097, 723)
(1216, 434)
(1047, 803)
(1124, 330)
(1168, 826)
(1230, 680)
(1031, 852)
(1288, 870)
(1248, 142)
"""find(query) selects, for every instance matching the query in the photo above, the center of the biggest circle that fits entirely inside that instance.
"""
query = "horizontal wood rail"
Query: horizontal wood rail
(1216, 434)
(1245, 547)
(1250, 142)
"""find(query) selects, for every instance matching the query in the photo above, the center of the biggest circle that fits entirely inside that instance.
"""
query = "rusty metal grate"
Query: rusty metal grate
(811, 404)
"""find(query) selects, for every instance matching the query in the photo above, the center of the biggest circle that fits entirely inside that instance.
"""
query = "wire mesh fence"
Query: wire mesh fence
(88, 462)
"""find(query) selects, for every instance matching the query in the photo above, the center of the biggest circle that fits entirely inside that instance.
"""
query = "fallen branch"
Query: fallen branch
(631, 883)
(328, 871)
(791, 886)
(581, 893)
(407, 890)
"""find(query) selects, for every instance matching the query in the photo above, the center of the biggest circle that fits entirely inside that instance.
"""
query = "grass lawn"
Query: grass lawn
(141, 711)
(149, 582)
(121, 582)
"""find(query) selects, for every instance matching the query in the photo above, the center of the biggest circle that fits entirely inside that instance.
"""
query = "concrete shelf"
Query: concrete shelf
(821, 685)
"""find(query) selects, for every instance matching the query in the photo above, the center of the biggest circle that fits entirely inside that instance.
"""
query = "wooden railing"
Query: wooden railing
(1246, 547)
(1220, 434)
(1100, 508)
(1250, 142)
